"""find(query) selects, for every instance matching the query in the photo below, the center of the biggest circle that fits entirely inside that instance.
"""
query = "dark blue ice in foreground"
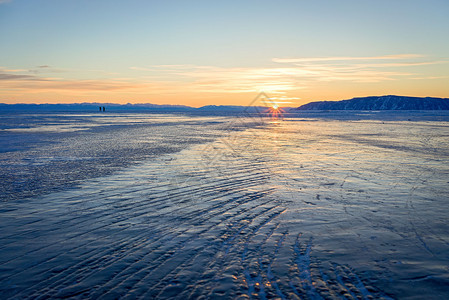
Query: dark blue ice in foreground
(322, 206)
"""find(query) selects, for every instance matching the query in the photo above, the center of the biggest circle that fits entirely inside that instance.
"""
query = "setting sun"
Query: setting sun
(275, 111)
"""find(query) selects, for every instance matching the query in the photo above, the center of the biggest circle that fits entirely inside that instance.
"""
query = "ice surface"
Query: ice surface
(294, 208)
(44, 152)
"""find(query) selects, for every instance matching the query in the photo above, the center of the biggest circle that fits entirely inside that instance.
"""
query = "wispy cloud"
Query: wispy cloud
(140, 69)
(293, 73)
(3, 69)
(46, 69)
(26, 82)
(13, 77)
(283, 81)
(347, 58)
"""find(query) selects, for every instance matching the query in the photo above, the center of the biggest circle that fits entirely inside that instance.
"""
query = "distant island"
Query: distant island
(380, 103)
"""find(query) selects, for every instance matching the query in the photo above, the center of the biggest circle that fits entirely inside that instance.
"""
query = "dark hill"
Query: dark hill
(381, 103)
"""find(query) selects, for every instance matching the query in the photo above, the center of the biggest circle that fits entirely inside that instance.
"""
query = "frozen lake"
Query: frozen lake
(172, 206)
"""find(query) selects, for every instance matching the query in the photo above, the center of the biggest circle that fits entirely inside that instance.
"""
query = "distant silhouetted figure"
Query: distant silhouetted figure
(99, 107)
(104, 108)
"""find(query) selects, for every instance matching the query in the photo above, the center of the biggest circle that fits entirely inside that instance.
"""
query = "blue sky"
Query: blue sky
(221, 52)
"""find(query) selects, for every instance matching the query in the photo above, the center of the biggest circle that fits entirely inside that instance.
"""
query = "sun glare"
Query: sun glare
(275, 111)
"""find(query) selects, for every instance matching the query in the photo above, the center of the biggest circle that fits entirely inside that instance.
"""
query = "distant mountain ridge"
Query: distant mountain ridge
(390, 102)
(92, 106)
(139, 107)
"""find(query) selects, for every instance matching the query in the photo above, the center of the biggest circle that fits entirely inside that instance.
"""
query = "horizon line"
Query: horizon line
(218, 105)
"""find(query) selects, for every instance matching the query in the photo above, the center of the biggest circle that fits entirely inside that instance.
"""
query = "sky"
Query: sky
(221, 52)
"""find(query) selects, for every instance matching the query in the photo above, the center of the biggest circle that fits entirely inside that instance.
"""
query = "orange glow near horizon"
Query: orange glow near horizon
(290, 82)
(201, 99)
